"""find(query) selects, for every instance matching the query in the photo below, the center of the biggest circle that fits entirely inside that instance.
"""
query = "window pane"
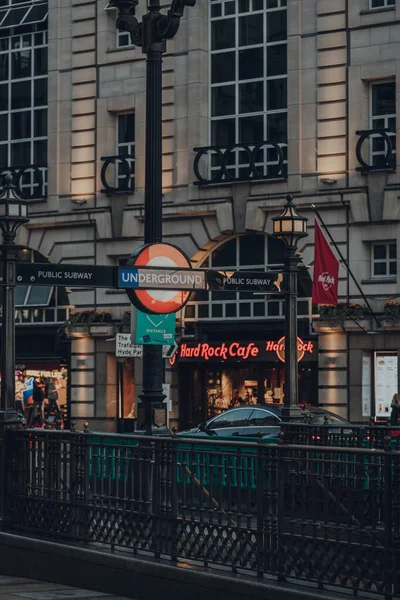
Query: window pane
(244, 309)
(40, 120)
(21, 125)
(234, 418)
(216, 10)
(251, 30)
(38, 295)
(223, 67)
(40, 94)
(4, 97)
(276, 26)
(276, 60)
(380, 268)
(379, 251)
(251, 63)
(259, 309)
(225, 255)
(223, 132)
(277, 94)
(262, 418)
(21, 153)
(393, 268)
(216, 310)
(252, 250)
(126, 128)
(223, 34)
(21, 95)
(21, 64)
(3, 155)
(392, 251)
(384, 98)
(3, 128)
(20, 294)
(40, 152)
(223, 100)
(276, 250)
(251, 129)
(277, 127)
(40, 61)
(251, 97)
(3, 67)
(230, 311)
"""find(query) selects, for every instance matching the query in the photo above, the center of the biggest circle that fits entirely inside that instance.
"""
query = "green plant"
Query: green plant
(126, 318)
(343, 311)
(391, 311)
(85, 317)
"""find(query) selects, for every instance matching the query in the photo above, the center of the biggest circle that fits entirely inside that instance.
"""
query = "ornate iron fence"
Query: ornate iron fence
(330, 515)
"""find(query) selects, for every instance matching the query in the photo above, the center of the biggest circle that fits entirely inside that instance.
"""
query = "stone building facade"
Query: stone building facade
(260, 98)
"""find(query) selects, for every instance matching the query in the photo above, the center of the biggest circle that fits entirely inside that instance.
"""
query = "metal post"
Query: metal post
(291, 364)
(151, 34)
(8, 412)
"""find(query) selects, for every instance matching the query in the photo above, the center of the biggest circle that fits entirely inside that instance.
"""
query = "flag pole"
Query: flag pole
(344, 261)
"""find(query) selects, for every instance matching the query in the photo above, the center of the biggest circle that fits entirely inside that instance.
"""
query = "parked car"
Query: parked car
(263, 420)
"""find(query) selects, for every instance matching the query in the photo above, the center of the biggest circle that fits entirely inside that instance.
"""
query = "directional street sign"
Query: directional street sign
(269, 281)
(125, 349)
(169, 351)
(65, 275)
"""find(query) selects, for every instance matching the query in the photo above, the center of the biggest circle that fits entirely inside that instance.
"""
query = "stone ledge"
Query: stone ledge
(141, 578)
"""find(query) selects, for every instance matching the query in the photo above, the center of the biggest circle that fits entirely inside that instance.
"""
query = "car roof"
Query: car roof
(277, 409)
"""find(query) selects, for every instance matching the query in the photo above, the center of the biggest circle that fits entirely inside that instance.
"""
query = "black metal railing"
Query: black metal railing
(122, 176)
(380, 150)
(328, 515)
(30, 180)
(240, 162)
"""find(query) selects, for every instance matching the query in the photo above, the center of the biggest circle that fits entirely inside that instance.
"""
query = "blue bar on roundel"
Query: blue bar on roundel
(128, 278)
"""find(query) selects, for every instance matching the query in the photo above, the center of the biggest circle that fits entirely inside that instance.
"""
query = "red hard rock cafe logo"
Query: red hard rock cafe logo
(327, 281)
(302, 348)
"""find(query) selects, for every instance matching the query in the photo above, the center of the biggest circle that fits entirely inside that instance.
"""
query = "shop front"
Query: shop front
(215, 376)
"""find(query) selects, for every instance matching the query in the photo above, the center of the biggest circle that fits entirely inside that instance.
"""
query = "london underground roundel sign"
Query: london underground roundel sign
(159, 301)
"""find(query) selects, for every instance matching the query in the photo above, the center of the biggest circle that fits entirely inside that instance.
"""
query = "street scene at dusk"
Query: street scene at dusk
(199, 299)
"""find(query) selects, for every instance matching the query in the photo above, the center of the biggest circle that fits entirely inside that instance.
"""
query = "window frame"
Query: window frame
(268, 160)
(386, 4)
(386, 118)
(130, 146)
(387, 261)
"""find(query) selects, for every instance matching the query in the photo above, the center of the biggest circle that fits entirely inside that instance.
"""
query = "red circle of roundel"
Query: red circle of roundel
(160, 255)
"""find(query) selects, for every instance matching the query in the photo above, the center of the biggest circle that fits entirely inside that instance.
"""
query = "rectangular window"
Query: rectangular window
(123, 39)
(249, 80)
(383, 117)
(23, 107)
(382, 3)
(384, 259)
(126, 151)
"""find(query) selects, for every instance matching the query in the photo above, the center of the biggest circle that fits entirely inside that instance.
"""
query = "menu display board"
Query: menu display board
(385, 383)
(366, 385)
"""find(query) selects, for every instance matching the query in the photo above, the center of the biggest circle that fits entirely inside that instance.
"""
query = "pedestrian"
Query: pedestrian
(236, 399)
(20, 386)
(395, 405)
(52, 395)
(38, 401)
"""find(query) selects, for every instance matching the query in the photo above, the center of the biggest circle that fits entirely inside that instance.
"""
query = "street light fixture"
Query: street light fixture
(151, 35)
(290, 227)
(13, 214)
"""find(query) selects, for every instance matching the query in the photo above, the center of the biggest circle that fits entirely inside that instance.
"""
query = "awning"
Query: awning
(26, 15)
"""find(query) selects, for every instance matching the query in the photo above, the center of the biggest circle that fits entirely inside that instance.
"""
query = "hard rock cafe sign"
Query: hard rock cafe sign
(242, 351)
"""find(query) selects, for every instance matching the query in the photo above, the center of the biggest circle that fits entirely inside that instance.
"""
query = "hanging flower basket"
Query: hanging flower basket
(101, 329)
(80, 324)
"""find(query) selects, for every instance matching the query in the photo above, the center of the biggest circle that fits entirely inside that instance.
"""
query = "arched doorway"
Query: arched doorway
(224, 322)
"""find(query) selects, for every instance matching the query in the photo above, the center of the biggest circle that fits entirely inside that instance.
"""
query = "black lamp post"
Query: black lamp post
(13, 214)
(290, 227)
(151, 35)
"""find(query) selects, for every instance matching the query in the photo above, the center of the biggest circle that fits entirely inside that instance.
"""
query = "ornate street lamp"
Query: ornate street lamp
(13, 214)
(290, 227)
(151, 35)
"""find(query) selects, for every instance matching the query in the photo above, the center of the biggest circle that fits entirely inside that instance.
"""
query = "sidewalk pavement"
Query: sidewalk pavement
(15, 588)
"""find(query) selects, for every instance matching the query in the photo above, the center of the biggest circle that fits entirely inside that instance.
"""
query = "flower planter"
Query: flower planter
(77, 331)
(101, 329)
(357, 325)
(326, 327)
(391, 325)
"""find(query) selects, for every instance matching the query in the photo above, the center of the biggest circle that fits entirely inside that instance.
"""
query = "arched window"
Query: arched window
(246, 253)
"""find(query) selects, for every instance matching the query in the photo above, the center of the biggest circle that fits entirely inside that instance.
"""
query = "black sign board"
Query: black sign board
(268, 281)
(66, 275)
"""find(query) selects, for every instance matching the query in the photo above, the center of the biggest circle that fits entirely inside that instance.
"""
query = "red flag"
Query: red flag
(326, 271)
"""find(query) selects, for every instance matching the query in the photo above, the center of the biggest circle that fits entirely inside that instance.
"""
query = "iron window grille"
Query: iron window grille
(248, 88)
(384, 260)
(23, 106)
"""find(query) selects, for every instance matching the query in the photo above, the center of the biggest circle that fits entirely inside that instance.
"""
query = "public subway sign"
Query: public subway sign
(158, 279)
(243, 351)
(65, 275)
(225, 281)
